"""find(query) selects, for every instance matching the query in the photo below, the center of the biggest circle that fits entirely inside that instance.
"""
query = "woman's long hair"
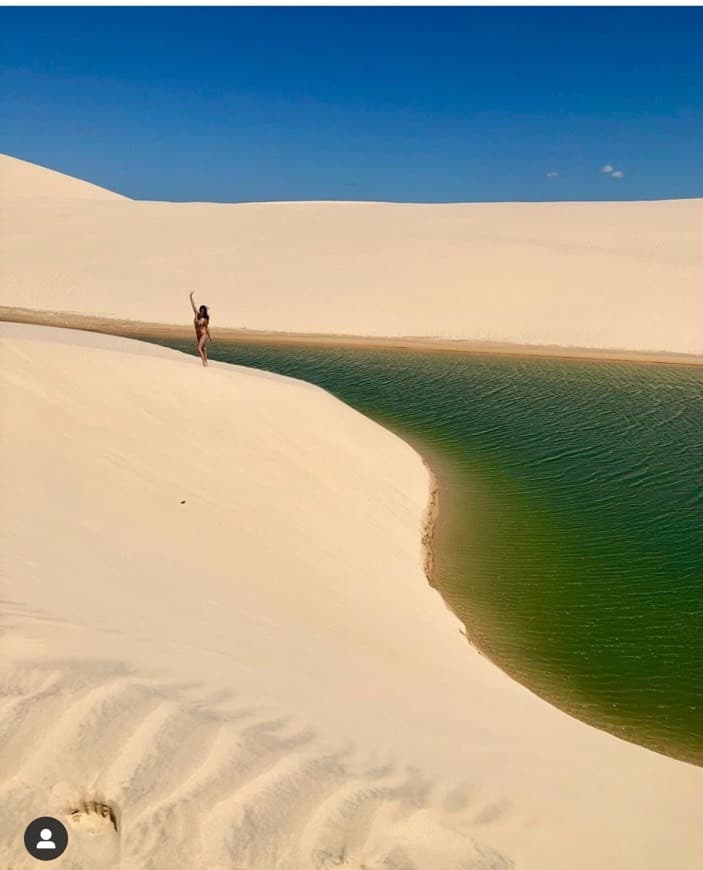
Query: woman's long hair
(202, 312)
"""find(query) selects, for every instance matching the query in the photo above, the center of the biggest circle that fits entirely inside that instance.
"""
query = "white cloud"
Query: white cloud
(552, 175)
(618, 174)
(607, 168)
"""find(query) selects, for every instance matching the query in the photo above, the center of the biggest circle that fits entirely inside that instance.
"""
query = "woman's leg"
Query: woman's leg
(201, 348)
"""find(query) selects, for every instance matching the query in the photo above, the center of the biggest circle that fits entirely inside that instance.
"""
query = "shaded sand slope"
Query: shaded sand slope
(261, 677)
(593, 275)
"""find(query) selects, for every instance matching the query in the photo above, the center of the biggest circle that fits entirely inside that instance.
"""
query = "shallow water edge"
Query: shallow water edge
(428, 344)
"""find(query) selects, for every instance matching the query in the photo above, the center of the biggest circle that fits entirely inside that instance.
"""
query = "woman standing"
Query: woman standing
(202, 331)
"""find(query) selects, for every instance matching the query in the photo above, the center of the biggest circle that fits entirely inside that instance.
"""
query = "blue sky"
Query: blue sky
(400, 104)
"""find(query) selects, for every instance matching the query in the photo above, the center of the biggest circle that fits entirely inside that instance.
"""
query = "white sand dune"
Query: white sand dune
(593, 275)
(219, 648)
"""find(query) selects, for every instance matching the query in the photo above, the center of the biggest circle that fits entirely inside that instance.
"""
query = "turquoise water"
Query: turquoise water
(570, 539)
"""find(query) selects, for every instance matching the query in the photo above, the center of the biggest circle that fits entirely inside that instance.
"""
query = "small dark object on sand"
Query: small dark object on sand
(183, 502)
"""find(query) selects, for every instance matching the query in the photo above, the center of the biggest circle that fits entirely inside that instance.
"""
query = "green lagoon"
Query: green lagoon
(570, 534)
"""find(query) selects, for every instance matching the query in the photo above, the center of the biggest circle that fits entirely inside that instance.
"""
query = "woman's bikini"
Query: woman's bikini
(201, 324)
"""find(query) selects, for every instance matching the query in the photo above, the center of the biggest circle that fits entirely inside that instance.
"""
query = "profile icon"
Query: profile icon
(45, 838)
(45, 841)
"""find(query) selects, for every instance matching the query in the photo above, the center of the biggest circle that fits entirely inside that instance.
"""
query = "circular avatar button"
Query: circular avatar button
(45, 838)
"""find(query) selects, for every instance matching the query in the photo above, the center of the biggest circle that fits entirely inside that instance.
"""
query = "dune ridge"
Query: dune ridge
(20, 179)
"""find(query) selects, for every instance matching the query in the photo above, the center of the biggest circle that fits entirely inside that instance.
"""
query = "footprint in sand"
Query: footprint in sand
(94, 816)
(94, 833)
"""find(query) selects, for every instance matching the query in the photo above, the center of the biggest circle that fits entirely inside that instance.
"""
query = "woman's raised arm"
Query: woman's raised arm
(190, 296)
